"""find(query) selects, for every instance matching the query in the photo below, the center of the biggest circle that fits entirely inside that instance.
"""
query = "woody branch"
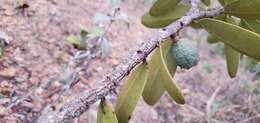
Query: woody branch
(85, 99)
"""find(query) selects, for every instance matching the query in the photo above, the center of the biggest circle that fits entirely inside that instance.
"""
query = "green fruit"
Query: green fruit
(185, 54)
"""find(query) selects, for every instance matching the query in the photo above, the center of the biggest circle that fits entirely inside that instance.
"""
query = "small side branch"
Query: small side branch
(84, 100)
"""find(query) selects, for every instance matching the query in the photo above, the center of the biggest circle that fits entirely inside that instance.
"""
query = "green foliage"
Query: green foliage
(212, 39)
(164, 19)
(232, 56)
(161, 7)
(106, 113)
(226, 2)
(154, 88)
(253, 25)
(240, 39)
(79, 42)
(206, 2)
(161, 68)
(130, 93)
(244, 8)
(232, 59)
(185, 54)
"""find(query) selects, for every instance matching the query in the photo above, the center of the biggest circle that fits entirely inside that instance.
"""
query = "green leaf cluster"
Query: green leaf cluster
(150, 81)
(238, 28)
(163, 13)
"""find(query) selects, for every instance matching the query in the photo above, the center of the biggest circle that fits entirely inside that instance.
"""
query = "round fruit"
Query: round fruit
(185, 54)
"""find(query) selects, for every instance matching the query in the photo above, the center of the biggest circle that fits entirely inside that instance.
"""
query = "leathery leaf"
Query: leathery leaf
(252, 25)
(164, 20)
(161, 7)
(130, 93)
(206, 2)
(244, 9)
(232, 59)
(238, 38)
(232, 56)
(167, 80)
(106, 113)
(154, 88)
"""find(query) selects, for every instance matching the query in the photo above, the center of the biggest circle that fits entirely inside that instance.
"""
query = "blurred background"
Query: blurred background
(54, 49)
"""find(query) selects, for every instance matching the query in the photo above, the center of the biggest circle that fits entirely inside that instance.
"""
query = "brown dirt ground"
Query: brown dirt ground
(38, 50)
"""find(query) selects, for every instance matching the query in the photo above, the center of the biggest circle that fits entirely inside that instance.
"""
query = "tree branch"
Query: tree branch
(84, 100)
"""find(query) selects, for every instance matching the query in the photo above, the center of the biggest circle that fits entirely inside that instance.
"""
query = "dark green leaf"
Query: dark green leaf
(232, 59)
(244, 8)
(236, 37)
(166, 19)
(206, 2)
(253, 25)
(162, 7)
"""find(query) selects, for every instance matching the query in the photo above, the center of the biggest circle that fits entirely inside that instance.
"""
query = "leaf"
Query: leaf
(212, 39)
(167, 55)
(244, 9)
(236, 37)
(232, 59)
(166, 19)
(130, 93)
(252, 25)
(154, 88)
(161, 7)
(222, 2)
(96, 32)
(232, 56)
(226, 2)
(8, 72)
(1, 51)
(195, 25)
(105, 47)
(123, 17)
(76, 41)
(206, 2)
(83, 35)
(168, 82)
(106, 113)
(100, 18)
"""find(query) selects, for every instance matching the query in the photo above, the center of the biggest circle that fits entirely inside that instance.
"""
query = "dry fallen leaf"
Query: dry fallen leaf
(8, 72)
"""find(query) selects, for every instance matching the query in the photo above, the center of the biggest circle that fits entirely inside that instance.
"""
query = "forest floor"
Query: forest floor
(33, 71)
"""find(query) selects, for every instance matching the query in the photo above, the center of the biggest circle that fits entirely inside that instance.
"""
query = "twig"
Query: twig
(84, 100)
(210, 102)
(250, 119)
